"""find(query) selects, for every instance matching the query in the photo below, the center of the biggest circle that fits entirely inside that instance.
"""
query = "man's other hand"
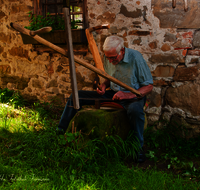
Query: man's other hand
(103, 89)
(123, 95)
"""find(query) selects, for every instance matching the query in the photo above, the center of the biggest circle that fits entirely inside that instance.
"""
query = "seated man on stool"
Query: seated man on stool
(128, 66)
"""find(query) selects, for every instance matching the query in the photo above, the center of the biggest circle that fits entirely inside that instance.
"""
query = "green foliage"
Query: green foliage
(168, 145)
(11, 97)
(34, 157)
(56, 22)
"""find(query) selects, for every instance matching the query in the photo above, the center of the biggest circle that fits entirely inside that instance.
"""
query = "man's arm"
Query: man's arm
(103, 86)
(129, 95)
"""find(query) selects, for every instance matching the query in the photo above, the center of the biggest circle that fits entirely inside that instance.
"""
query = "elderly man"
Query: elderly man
(128, 66)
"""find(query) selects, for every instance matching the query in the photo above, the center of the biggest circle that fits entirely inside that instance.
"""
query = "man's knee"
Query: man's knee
(135, 110)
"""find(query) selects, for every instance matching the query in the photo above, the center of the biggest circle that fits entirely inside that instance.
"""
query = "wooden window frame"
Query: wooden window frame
(38, 10)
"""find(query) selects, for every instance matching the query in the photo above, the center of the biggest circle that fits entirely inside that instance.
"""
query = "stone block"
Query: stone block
(163, 71)
(18, 51)
(185, 74)
(153, 45)
(98, 123)
(131, 14)
(107, 17)
(52, 83)
(37, 83)
(163, 58)
(169, 37)
(5, 69)
(139, 33)
(1, 49)
(194, 52)
(2, 14)
(182, 128)
(185, 97)
(196, 39)
(165, 47)
(161, 82)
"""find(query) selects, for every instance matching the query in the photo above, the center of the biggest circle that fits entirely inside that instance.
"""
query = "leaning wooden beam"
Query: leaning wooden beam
(78, 60)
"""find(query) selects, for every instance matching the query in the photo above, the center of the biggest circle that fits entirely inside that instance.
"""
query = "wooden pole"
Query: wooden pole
(71, 58)
(78, 60)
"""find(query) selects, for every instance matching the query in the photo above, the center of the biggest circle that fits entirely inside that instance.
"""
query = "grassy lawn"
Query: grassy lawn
(34, 157)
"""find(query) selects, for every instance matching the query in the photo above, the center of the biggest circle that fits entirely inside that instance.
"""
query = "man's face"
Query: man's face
(113, 56)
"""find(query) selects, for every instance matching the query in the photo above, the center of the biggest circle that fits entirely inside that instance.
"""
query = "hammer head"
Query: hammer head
(96, 82)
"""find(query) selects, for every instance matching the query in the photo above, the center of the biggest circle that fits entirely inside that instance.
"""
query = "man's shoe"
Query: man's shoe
(60, 131)
(140, 157)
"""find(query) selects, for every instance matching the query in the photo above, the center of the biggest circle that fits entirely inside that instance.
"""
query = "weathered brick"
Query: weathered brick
(163, 71)
(2, 14)
(194, 52)
(5, 38)
(169, 37)
(37, 83)
(161, 82)
(52, 83)
(186, 97)
(113, 30)
(165, 47)
(4, 55)
(153, 45)
(132, 14)
(170, 58)
(139, 33)
(20, 8)
(185, 74)
(1, 49)
(21, 83)
(138, 2)
(155, 99)
(196, 39)
(184, 52)
(137, 41)
(5, 69)
(92, 15)
(18, 51)
(188, 34)
(107, 17)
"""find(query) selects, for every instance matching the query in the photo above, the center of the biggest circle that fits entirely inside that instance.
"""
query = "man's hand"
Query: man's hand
(103, 89)
(123, 95)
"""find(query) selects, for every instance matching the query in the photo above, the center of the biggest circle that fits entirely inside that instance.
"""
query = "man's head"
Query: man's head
(114, 49)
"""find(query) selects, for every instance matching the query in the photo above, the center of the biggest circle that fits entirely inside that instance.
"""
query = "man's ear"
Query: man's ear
(123, 51)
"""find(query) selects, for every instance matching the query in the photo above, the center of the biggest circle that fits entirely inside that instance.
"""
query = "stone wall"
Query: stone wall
(172, 54)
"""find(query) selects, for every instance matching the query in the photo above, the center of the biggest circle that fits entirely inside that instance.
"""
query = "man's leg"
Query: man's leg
(136, 117)
(84, 96)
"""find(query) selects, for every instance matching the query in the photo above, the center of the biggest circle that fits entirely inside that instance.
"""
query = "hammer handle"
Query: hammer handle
(173, 3)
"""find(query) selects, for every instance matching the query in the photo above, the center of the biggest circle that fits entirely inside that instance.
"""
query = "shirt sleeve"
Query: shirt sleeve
(143, 72)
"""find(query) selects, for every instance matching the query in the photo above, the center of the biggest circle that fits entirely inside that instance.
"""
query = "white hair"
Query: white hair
(113, 42)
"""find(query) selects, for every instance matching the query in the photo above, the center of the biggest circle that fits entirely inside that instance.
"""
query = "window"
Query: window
(78, 10)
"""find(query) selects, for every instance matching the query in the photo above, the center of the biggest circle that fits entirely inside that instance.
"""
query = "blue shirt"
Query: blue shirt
(132, 70)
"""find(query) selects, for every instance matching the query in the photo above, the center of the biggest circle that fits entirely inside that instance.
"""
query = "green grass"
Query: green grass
(34, 157)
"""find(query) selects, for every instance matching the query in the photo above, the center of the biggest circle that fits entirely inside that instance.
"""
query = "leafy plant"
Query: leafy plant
(56, 22)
